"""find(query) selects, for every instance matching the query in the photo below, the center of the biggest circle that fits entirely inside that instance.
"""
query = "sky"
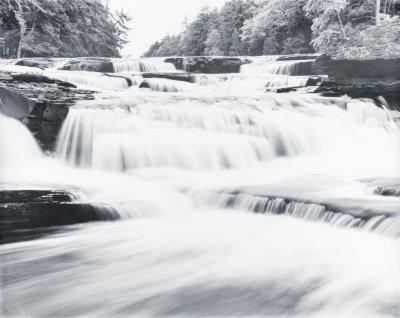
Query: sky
(153, 19)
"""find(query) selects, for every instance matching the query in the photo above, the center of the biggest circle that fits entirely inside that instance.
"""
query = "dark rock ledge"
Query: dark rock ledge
(208, 64)
(40, 102)
(356, 78)
(25, 214)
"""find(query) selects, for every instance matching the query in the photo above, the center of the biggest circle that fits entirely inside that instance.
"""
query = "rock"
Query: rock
(41, 63)
(22, 210)
(347, 71)
(89, 64)
(297, 57)
(208, 64)
(14, 104)
(183, 77)
(37, 78)
(356, 78)
(40, 102)
(302, 68)
(144, 84)
(35, 196)
(128, 79)
(359, 89)
(311, 85)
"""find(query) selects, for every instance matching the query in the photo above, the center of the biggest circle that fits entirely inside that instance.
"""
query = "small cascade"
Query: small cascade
(191, 150)
(382, 224)
(117, 140)
(82, 127)
(249, 83)
(142, 66)
(274, 73)
(367, 113)
(18, 148)
(270, 65)
(168, 86)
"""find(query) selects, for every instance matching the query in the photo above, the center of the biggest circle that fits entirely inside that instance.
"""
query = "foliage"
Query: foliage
(62, 28)
(259, 27)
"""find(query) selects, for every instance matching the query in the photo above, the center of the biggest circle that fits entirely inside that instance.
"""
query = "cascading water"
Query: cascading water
(17, 145)
(184, 167)
(142, 66)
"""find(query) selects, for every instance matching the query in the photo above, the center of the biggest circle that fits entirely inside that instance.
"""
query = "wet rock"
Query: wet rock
(128, 79)
(144, 84)
(40, 102)
(41, 63)
(298, 57)
(24, 210)
(359, 78)
(36, 78)
(207, 64)
(14, 104)
(35, 196)
(364, 88)
(310, 86)
(92, 64)
(347, 71)
(183, 77)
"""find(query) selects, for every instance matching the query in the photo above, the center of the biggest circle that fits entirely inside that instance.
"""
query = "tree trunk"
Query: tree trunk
(378, 10)
(19, 15)
(21, 39)
(341, 25)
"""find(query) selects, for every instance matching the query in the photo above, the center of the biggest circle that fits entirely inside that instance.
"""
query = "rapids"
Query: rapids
(234, 202)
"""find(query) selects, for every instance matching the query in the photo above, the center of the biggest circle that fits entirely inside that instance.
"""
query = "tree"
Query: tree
(323, 9)
(63, 28)
(214, 43)
(22, 9)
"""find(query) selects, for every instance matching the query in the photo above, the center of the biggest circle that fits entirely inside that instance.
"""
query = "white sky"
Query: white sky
(153, 19)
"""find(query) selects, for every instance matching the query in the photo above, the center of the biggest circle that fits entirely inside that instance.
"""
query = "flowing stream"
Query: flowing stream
(234, 202)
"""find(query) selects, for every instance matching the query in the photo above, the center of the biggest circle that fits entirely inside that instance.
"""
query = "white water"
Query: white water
(187, 169)
(143, 66)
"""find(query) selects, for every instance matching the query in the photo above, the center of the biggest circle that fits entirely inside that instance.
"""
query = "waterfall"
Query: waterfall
(271, 127)
(230, 201)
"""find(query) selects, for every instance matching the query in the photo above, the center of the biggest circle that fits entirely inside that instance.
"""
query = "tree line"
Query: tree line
(265, 27)
(61, 28)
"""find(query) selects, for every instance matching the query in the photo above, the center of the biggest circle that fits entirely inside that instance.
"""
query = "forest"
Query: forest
(344, 28)
(60, 28)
